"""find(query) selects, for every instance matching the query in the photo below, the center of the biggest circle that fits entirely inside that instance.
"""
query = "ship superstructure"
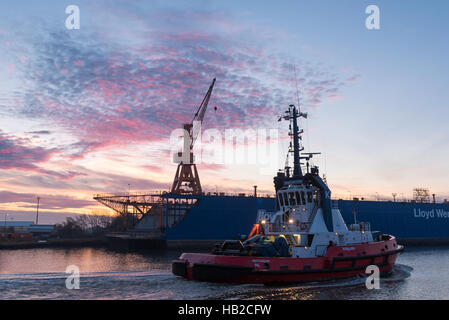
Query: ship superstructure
(305, 215)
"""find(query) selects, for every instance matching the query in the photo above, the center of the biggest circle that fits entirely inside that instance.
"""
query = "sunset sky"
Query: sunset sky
(91, 110)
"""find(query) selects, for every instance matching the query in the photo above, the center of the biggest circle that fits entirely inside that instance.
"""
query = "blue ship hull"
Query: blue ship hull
(216, 218)
(409, 222)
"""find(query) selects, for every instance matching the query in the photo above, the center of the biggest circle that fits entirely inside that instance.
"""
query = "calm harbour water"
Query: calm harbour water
(40, 274)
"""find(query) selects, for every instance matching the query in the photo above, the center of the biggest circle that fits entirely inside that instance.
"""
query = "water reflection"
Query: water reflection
(40, 274)
(87, 259)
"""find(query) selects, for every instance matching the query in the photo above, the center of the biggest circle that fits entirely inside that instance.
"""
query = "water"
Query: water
(40, 274)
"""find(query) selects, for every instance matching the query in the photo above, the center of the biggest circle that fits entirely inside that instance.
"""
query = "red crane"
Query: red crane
(186, 179)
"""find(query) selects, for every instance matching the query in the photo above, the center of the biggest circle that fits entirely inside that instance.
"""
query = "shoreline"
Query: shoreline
(55, 243)
(204, 245)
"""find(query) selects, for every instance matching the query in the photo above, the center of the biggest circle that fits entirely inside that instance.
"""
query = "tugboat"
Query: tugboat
(306, 239)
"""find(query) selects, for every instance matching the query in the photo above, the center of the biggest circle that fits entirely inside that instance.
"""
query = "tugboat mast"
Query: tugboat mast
(292, 114)
(297, 172)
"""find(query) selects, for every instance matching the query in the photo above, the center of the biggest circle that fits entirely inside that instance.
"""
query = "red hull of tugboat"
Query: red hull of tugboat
(339, 262)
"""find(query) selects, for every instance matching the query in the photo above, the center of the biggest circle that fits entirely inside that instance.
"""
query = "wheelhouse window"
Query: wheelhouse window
(285, 198)
(298, 198)
(291, 199)
(281, 200)
(303, 197)
(309, 197)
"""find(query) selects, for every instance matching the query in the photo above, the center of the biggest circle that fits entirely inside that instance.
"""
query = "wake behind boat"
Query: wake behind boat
(306, 239)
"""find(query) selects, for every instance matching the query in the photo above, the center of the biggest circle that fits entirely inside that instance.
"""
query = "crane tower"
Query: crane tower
(186, 179)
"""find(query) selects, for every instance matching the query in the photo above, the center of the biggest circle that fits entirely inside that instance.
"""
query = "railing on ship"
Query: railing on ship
(131, 194)
(160, 193)
(259, 195)
(360, 226)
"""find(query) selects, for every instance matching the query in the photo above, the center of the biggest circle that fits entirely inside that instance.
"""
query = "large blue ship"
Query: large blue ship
(198, 221)
(223, 217)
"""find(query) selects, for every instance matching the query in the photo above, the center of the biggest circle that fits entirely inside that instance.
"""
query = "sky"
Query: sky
(94, 110)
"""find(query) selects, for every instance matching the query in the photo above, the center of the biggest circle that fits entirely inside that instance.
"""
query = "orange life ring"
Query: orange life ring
(303, 226)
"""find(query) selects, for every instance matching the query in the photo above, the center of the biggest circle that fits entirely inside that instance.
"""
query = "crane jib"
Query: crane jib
(199, 115)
